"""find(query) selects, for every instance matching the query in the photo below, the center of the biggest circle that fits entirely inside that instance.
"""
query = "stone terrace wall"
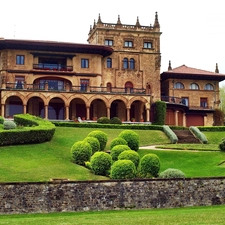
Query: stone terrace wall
(107, 195)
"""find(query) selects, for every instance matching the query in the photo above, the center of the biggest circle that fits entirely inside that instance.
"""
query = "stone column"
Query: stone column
(108, 112)
(67, 113)
(46, 112)
(176, 117)
(88, 113)
(3, 110)
(24, 109)
(128, 114)
(184, 119)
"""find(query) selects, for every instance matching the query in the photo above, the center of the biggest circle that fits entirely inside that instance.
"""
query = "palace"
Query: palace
(116, 74)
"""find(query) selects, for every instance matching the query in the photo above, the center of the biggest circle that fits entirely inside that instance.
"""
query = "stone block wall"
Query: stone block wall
(65, 196)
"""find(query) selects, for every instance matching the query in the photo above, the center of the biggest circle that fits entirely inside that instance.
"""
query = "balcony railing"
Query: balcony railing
(69, 88)
(175, 100)
(53, 67)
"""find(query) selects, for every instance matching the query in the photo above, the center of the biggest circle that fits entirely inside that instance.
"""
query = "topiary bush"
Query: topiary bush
(95, 145)
(123, 169)
(104, 120)
(101, 136)
(222, 145)
(100, 163)
(131, 155)
(132, 139)
(199, 134)
(117, 141)
(116, 120)
(81, 152)
(170, 134)
(116, 150)
(9, 124)
(160, 113)
(172, 173)
(149, 165)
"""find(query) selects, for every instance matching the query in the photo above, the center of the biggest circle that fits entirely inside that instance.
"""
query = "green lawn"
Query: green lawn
(179, 216)
(41, 162)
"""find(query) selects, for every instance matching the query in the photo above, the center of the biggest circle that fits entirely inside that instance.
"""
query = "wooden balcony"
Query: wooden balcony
(52, 67)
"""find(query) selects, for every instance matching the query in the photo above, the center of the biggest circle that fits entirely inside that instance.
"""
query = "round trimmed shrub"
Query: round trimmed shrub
(9, 124)
(222, 145)
(132, 139)
(116, 150)
(117, 141)
(94, 143)
(116, 120)
(100, 163)
(104, 120)
(81, 152)
(123, 169)
(172, 173)
(101, 136)
(1, 120)
(150, 165)
(131, 155)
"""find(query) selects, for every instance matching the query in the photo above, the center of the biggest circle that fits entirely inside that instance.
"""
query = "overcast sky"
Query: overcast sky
(193, 31)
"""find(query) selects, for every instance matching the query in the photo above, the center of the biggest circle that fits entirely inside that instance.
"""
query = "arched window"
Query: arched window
(194, 86)
(132, 63)
(109, 63)
(125, 63)
(109, 87)
(209, 87)
(128, 87)
(178, 85)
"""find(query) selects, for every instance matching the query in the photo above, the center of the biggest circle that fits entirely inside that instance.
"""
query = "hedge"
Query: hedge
(39, 131)
(170, 134)
(198, 134)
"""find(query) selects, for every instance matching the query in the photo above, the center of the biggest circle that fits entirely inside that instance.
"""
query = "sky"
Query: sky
(193, 31)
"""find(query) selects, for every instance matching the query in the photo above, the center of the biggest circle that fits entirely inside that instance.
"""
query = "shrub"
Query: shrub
(222, 145)
(160, 113)
(172, 173)
(104, 120)
(1, 120)
(101, 163)
(131, 155)
(123, 169)
(199, 134)
(116, 150)
(81, 152)
(94, 143)
(116, 120)
(9, 124)
(170, 134)
(149, 165)
(101, 136)
(218, 117)
(132, 139)
(117, 141)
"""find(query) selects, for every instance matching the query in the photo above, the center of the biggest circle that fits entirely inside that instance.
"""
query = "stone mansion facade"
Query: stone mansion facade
(116, 74)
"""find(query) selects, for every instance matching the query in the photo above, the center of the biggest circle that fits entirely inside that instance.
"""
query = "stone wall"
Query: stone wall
(64, 196)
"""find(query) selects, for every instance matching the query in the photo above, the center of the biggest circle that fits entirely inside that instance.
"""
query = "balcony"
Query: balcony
(173, 100)
(52, 67)
(75, 89)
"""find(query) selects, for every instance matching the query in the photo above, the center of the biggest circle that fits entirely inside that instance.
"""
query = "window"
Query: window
(19, 82)
(128, 44)
(83, 84)
(184, 101)
(20, 59)
(203, 102)
(178, 85)
(125, 63)
(109, 42)
(194, 86)
(52, 84)
(132, 64)
(84, 63)
(147, 44)
(109, 63)
(128, 87)
(209, 87)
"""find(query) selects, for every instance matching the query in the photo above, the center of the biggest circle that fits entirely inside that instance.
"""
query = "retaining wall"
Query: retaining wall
(64, 196)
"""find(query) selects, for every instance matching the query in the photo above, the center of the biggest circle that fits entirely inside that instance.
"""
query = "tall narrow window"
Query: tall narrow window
(125, 63)
(132, 64)
(83, 84)
(184, 101)
(109, 63)
(84, 63)
(19, 82)
(20, 59)
(203, 102)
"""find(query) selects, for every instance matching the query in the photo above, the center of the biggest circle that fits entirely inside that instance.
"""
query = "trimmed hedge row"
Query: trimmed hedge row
(39, 131)
(170, 134)
(211, 128)
(198, 134)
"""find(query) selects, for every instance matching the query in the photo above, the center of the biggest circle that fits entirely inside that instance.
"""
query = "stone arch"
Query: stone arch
(10, 94)
(98, 108)
(101, 97)
(56, 108)
(35, 105)
(35, 94)
(56, 95)
(77, 107)
(13, 105)
(85, 99)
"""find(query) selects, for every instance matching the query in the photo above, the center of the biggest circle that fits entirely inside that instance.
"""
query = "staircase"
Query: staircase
(185, 136)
